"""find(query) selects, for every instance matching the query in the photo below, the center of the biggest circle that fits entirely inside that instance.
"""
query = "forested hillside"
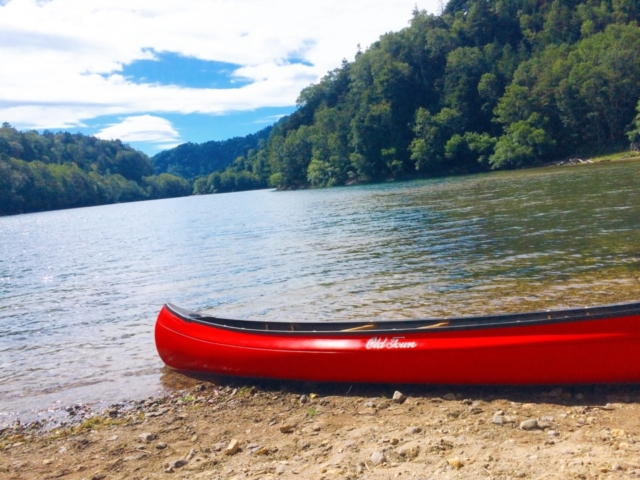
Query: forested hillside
(191, 160)
(52, 171)
(486, 85)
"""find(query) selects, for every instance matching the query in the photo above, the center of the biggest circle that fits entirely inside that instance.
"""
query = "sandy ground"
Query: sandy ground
(233, 428)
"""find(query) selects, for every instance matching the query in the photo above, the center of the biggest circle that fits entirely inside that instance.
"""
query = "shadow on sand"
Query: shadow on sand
(568, 395)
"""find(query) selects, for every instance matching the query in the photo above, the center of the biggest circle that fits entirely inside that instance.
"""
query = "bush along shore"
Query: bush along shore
(273, 430)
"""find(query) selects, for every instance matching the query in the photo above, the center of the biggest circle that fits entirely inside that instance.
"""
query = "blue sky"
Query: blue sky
(157, 74)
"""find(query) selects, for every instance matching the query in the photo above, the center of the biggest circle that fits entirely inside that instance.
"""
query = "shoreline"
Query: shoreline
(239, 428)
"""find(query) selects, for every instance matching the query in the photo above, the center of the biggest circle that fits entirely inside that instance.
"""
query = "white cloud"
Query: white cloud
(62, 57)
(142, 128)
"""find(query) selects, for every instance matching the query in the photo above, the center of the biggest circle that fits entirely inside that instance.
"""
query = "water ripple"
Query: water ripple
(80, 289)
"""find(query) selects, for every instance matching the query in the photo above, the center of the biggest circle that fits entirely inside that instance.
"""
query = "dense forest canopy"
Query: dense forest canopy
(52, 171)
(191, 160)
(486, 85)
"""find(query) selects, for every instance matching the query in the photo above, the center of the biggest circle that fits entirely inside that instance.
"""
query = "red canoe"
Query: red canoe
(583, 345)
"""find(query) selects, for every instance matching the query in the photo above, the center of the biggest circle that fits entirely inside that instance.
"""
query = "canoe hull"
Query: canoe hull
(603, 350)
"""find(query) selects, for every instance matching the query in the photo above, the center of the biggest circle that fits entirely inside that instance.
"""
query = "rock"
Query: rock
(47, 461)
(543, 424)
(409, 451)
(219, 446)
(181, 462)
(232, 448)
(304, 399)
(190, 455)
(286, 428)
(449, 396)
(498, 418)
(378, 457)
(455, 462)
(161, 445)
(529, 425)
(147, 437)
(280, 469)
(156, 413)
(413, 430)
(132, 458)
(351, 444)
(553, 433)
(398, 397)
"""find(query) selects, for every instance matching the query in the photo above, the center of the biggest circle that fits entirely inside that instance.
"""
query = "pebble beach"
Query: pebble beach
(238, 429)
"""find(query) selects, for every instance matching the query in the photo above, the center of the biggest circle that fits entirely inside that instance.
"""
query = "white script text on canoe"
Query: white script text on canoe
(376, 343)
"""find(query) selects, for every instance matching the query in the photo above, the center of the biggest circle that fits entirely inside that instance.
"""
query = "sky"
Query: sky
(159, 73)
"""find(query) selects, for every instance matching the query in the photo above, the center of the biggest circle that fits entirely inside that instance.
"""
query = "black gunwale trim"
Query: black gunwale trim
(275, 327)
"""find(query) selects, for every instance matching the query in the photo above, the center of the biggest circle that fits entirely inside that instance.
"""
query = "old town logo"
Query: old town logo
(376, 343)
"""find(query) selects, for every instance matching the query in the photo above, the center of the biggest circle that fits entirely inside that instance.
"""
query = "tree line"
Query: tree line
(486, 85)
(50, 171)
(191, 160)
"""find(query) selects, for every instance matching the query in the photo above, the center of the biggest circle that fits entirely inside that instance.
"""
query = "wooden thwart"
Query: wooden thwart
(361, 328)
(435, 325)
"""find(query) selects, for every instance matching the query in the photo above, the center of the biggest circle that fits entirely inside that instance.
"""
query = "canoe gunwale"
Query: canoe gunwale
(427, 325)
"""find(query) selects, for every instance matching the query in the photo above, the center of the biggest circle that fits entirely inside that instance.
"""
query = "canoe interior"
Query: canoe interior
(405, 326)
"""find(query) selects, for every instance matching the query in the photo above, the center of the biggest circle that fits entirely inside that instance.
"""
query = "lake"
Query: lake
(80, 289)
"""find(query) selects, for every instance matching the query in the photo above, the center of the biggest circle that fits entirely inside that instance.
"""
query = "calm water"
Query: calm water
(80, 289)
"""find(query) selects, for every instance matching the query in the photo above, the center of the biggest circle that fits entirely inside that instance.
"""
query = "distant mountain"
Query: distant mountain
(191, 160)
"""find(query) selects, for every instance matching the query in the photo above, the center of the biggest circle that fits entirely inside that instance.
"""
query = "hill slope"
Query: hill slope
(486, 85)
(191, 160)
(63, 170)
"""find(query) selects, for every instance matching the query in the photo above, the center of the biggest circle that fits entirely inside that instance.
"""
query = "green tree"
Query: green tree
(524, 143)
(432, 134)
(634, 132)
